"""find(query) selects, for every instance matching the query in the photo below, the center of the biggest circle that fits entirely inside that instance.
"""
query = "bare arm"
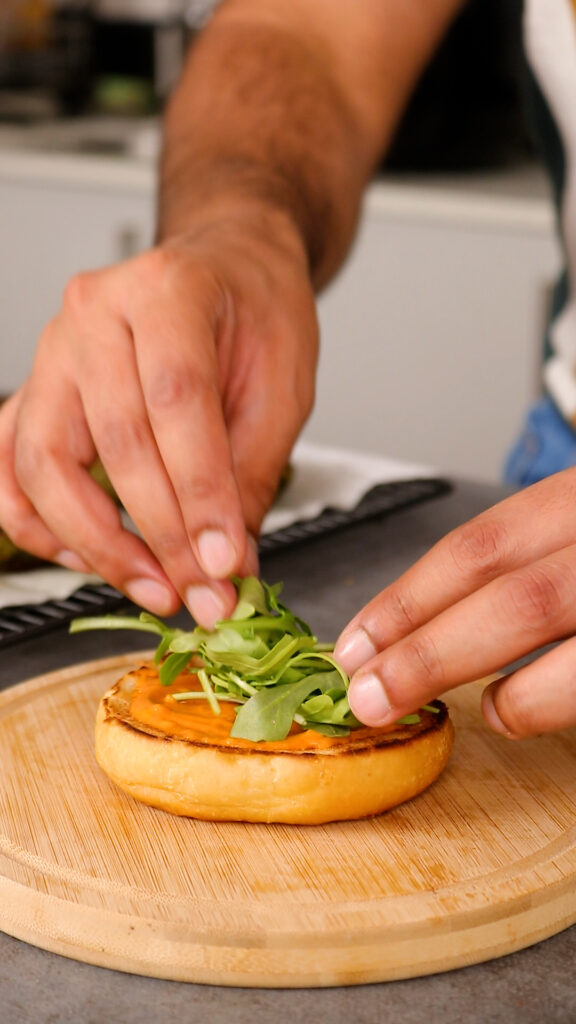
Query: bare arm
(189, 370)
(293, 104)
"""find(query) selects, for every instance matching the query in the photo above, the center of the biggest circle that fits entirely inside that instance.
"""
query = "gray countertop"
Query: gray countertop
(326, 581)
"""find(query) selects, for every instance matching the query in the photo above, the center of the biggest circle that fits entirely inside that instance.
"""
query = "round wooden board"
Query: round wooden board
(480, 865)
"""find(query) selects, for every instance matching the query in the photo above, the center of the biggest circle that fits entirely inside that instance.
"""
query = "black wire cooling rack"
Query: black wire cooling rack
(18, 623)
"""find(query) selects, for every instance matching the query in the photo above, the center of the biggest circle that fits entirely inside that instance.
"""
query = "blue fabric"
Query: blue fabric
(546, 445)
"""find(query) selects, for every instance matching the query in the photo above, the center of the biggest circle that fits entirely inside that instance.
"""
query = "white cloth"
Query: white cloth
(37, 585)
(322, 477)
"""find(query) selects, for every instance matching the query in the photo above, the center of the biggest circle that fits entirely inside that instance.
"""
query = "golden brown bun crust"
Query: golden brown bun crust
(218, 783)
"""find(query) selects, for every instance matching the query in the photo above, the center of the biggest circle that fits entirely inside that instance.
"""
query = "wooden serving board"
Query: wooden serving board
(480, 865)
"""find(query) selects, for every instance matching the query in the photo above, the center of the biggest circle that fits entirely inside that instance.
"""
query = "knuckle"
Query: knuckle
(401, 610)
(30, 459)
(420, 659)
(155, 265)
(480, 548)
(537, 595)
(176, 386)
(79, 293)
(169, 546)
(172, 267)
(200, 490)
(120, 440)
(20, 530)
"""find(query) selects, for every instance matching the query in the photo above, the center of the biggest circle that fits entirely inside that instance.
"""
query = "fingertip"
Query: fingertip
(209, 604)
(353, 649)
(490, 712)
(369, 701)
(156, 597)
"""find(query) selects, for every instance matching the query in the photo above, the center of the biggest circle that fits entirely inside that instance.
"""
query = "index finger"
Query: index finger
(182, 389)
(510, 535)
(511, 616)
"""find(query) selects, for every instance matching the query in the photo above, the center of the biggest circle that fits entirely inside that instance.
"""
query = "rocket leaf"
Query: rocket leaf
(263, 658)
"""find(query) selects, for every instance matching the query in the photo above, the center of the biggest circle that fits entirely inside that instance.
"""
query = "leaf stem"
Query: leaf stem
(115, 622)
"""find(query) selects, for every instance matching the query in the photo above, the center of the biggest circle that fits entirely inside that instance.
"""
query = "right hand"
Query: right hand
(492, 591)
(189, 370)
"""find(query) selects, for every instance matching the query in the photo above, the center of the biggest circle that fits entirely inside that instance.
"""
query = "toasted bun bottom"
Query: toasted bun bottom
(306, 788)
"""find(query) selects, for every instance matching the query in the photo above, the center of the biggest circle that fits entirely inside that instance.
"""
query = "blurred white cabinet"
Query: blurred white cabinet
(431, 333)
(55, 221)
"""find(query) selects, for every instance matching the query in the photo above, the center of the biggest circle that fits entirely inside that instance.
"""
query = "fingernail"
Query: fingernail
(204, 605)
(70, 560)
(491, 715)
(216, 553)
(369, 702)
(353, 650)
(151, 595)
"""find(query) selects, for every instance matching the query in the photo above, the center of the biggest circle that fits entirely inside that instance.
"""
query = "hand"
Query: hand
(499, 587)
(189, 370)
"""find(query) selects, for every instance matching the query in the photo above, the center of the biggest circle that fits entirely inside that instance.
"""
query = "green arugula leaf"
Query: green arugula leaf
(209, 692)
(251, 598)
(171, 668)
(269, 714)
(325, 729)
(263, 658)
(316, 708)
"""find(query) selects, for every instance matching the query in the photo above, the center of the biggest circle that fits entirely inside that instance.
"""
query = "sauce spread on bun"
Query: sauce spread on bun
(154, 707)
(251, 722)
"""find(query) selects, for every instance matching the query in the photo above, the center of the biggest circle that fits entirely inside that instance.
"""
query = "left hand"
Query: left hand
(189, 370)
(492, 591)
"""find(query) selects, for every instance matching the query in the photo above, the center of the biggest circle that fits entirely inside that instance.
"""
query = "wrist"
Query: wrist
(236, 212)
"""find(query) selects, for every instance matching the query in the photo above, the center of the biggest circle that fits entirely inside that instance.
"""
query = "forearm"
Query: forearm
(286, 108)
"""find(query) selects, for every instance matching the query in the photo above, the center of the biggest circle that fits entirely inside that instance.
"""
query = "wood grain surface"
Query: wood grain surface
(480, 865)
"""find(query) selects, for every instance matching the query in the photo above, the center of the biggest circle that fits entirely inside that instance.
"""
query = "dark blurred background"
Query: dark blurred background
(80, 57)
